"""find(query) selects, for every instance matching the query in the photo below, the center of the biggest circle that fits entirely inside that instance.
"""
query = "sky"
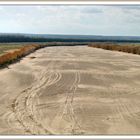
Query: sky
(119, 20)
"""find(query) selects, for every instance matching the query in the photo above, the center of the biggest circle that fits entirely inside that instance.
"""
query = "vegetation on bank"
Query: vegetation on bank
(5, 47)
(10, 53)
(129, 48)
(17, 52)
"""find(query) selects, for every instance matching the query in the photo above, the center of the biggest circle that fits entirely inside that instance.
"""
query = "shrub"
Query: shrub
(117, 47)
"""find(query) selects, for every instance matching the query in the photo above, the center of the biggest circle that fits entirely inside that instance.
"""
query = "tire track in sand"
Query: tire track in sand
(68, 109)
(68, 106)
(23, 107)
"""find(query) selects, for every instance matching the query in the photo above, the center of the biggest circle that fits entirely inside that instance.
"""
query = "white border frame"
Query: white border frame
(69, 137)
(72, 2)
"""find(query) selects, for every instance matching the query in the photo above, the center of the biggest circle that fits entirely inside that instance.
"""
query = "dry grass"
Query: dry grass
(5, 47)
(16, 53)
(129, 48)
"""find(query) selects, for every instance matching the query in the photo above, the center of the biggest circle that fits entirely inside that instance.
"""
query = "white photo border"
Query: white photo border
(68, 137)
(71, 2)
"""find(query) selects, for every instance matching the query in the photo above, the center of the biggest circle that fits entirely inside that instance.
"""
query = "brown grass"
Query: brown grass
(16, 54)
(129, 48)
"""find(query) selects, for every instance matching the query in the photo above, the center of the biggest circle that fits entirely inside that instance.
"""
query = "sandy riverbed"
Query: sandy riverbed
(71, 90)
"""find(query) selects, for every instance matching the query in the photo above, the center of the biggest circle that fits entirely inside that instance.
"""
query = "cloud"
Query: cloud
(72, 19)
(134, 7)
(92, 10)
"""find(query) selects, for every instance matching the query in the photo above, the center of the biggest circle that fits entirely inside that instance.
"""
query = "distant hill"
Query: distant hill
(87, 37)
(18, 37)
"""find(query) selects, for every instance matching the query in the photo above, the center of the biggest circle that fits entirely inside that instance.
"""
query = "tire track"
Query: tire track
(123, 111)
(31, 102)
(68, 108)
(23, 104)
(22, 113)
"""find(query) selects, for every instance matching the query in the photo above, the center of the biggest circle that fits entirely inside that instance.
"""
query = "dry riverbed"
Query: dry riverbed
(71, 90)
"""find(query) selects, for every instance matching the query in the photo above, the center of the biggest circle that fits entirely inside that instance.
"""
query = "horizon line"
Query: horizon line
(70, 34)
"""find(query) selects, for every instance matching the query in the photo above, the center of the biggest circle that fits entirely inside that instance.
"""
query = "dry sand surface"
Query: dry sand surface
(71, 90)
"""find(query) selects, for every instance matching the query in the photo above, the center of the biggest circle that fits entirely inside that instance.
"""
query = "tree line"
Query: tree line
(23, 38)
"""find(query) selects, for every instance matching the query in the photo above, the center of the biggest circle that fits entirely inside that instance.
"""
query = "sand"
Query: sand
(71, 90)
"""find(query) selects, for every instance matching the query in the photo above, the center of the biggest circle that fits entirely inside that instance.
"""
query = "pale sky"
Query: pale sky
(72, 19)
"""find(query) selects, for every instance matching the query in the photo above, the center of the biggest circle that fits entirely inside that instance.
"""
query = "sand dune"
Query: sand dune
(71, 90)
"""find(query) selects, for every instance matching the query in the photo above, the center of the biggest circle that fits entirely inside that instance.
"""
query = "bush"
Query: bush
(117, 47)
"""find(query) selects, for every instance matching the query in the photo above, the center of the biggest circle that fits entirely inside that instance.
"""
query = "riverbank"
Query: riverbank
(16, 53)
(133, 48)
